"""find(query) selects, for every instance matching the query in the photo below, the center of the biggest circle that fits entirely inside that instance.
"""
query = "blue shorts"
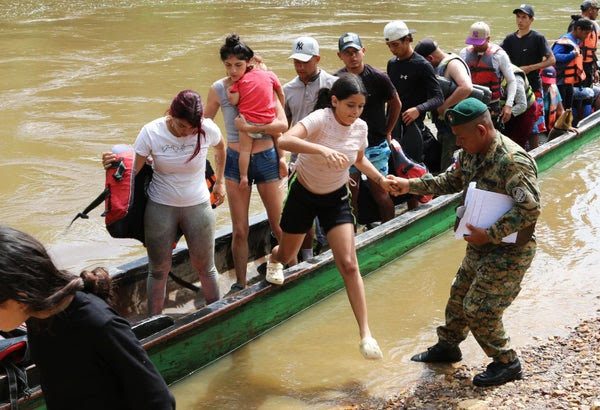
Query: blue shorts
(264, 166)
(379, 156)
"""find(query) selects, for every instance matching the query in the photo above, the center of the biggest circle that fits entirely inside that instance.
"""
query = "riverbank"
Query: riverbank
(559, 373)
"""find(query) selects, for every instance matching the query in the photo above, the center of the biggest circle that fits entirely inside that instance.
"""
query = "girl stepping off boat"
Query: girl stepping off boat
(328, 142)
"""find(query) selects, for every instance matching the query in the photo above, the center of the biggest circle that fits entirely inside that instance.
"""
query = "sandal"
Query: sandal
(275, 273)
(370, 349)
(236, 287)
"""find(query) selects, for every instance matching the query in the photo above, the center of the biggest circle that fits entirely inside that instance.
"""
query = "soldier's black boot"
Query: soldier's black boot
(439, 353)
(498, 373)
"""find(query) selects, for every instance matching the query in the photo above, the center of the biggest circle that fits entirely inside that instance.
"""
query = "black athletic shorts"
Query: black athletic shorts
(302, 206)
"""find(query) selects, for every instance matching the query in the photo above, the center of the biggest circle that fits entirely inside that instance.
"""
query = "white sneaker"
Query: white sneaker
(370, 349)
(275, 273)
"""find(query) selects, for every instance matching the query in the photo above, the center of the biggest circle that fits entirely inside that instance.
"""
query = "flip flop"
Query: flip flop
(370, 349)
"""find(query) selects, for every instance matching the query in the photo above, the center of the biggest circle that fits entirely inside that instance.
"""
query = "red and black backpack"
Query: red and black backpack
(125, 196)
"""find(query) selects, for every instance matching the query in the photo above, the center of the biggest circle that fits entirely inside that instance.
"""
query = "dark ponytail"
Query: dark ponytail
(98, 282)
(28, 274)
(346, 86)
(323, 99)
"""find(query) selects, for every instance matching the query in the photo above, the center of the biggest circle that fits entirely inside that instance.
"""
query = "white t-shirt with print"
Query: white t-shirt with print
(175, 181)
(324, 129)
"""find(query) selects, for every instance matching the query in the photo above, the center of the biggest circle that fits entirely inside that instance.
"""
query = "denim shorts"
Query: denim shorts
(379, 156)
(264, 166)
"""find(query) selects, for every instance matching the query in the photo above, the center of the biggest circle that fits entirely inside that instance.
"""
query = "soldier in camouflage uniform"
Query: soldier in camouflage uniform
(490, 275)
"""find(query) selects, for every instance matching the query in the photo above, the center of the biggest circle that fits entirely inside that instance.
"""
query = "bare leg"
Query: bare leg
(244, 158)
(307, 244)
(354, 191)
(239, 202)
(412, 202)
(384, 202)
(288, 248)
(341, 241)
(272, 198)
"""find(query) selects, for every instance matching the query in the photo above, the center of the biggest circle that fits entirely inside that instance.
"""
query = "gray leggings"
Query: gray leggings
(198, 226)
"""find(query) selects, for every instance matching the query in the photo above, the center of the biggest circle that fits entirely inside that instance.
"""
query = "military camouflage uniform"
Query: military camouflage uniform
(490, 275)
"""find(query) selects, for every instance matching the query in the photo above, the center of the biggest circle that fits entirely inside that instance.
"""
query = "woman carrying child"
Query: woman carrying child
(253, 92)
(267, 165)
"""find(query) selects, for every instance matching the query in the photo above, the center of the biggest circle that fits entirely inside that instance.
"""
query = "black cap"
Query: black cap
(589, 4)
(525, 8)
(349, 40)
(426, 46)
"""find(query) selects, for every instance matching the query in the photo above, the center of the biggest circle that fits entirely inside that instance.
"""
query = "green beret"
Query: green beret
(465, 111)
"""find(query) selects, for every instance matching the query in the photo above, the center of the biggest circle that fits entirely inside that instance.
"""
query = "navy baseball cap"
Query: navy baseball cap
(349, 40)
(525, 8)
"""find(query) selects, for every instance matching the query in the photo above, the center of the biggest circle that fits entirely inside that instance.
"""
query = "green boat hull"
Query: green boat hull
(216, 330)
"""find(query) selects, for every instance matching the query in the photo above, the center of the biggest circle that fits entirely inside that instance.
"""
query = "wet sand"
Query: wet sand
(558, 373)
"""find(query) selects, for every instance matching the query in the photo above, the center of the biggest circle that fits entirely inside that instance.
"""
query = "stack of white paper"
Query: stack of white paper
(482, 209)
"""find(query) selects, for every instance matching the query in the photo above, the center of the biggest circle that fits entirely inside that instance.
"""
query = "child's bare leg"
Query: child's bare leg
(244, 159)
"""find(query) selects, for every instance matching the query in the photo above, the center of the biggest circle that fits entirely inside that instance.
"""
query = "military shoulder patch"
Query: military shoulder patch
(519, 194)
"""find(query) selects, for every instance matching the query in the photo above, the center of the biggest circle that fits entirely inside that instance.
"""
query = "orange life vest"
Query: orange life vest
(571, 72)
(589, 46)
(483, 71)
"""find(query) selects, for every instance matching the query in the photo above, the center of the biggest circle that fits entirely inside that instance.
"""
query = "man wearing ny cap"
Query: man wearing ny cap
(529, 50)
(382, 94)
(417, 86)
(491, 272)
(489, 64)
(300, 98)
(301, 92)
(453, 68)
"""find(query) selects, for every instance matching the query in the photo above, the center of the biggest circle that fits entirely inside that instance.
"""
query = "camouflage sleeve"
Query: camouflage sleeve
(445, 183)
(521, 185)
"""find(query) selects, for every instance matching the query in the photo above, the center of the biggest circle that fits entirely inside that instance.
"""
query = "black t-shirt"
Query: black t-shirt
(527, 50)
(89, 358)
(380, 90)
(415, 81)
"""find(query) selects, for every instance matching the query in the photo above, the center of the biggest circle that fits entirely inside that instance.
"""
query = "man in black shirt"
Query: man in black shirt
(415, 80)
(381, 92)
(529, 50)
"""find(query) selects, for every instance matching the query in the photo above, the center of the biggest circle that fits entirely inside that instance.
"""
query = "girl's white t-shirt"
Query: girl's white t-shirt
(176, 182)
(324, 129)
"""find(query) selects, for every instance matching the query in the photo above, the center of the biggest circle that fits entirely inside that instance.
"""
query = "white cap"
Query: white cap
(478, 34)
(304, 48)
(395, 30)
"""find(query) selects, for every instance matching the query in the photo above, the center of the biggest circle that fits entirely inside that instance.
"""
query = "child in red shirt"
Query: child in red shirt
(254, 94)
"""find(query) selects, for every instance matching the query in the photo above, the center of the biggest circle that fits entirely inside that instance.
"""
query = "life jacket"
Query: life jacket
(589, 46)
(571, 72)
(483, 71)
(403, 167)
(552, 107)
(443, 66)
(529, 95)
(125, 196)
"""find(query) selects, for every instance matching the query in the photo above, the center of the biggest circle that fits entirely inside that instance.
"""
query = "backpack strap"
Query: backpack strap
(93, 205)
(13, 351)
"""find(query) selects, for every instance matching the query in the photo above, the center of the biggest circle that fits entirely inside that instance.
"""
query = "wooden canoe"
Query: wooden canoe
(197, 339)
